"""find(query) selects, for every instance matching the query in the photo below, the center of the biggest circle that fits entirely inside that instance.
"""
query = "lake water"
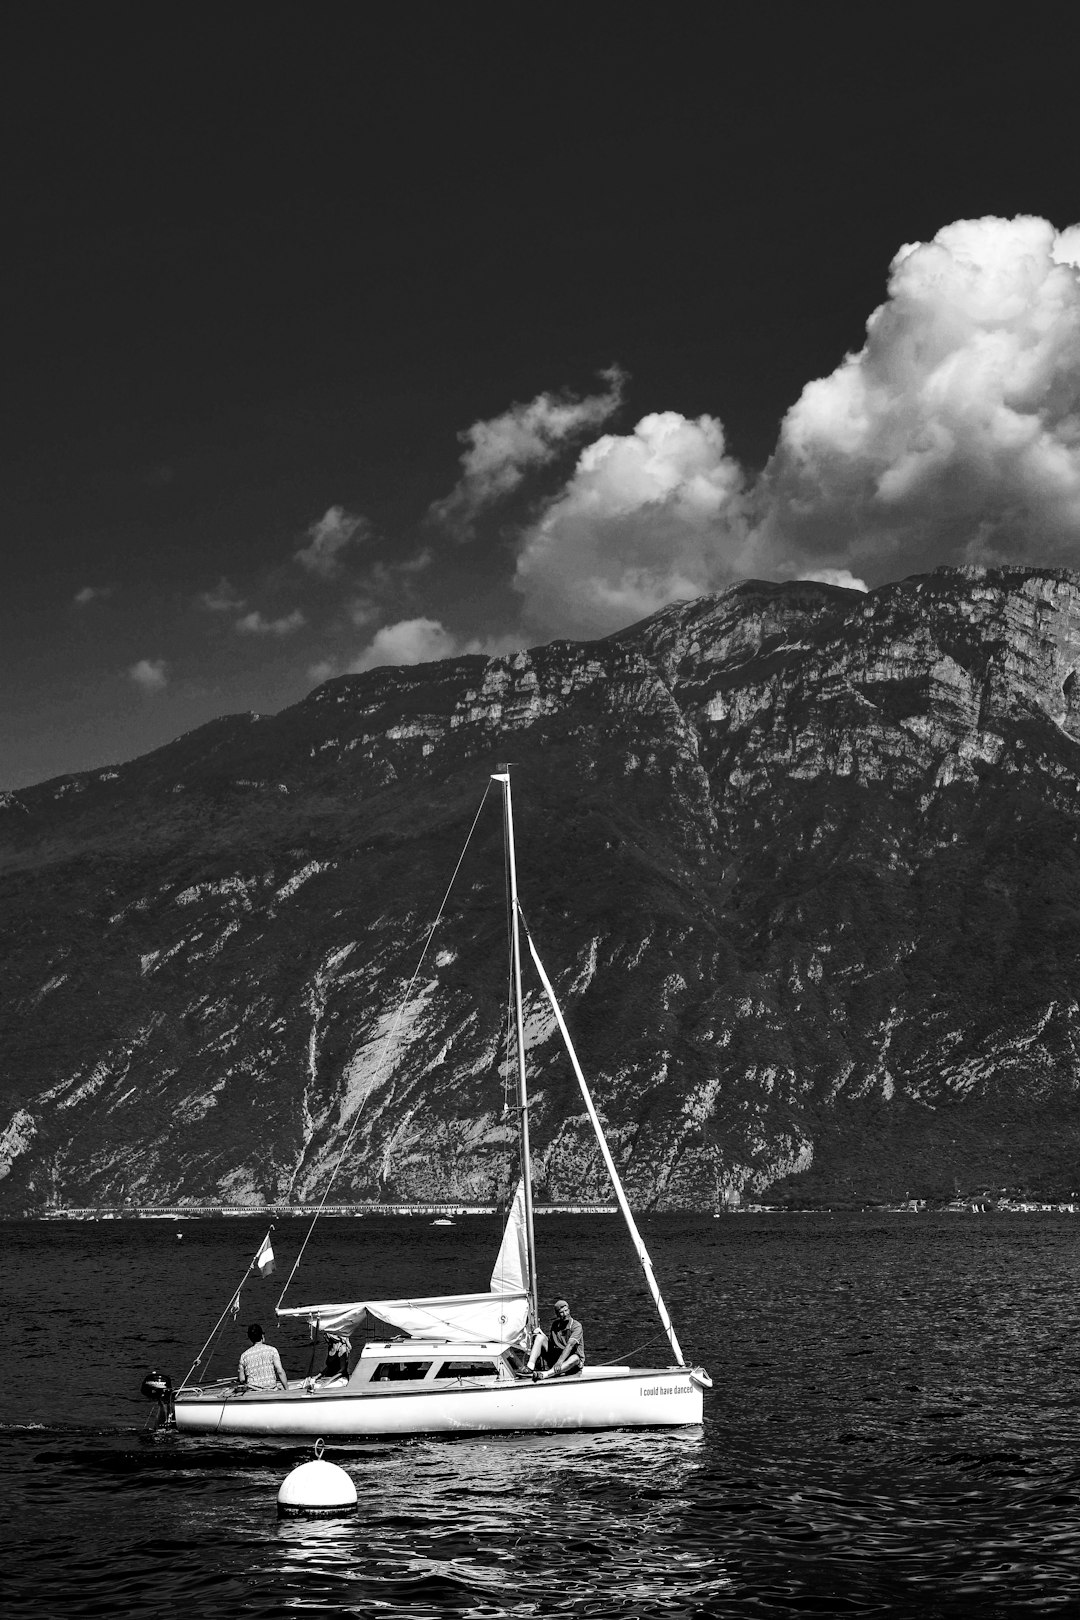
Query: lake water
(894, 1428)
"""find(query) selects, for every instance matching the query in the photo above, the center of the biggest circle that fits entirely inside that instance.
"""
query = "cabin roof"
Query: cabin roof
(413, 1349)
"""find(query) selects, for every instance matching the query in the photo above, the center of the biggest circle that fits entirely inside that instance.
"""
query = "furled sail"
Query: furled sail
(511, 1273)
(499, 1316)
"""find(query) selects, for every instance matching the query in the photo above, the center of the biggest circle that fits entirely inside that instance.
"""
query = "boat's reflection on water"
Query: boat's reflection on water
(514, 1524)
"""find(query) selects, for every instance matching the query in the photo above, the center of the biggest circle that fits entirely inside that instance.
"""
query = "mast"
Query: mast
(519, 1029)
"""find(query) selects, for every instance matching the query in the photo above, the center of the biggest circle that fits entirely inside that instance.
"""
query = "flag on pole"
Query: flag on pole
(265, 1258)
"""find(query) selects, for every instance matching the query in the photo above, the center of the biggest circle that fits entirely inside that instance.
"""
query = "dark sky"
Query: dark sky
(264, 261)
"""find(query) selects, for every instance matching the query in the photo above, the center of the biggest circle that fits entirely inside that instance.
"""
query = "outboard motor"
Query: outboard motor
(157, 1387)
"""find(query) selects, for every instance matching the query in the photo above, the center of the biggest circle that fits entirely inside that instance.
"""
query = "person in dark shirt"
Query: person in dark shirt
(561, 1349)
(338, 1346)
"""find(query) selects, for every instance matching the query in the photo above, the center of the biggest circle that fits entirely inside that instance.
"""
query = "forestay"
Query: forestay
(499, 1316)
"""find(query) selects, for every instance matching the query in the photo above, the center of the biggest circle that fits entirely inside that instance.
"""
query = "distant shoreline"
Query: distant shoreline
(444, 1211)
(178, 1212)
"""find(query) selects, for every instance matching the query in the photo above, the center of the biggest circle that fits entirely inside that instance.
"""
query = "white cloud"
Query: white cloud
(413, 641)
(410, 641)
(836, 576)
(327, 539)
(151, 674)
(253, 624)
(223, 598)
(92, 593)
(649, 517)
(954, 434)
(500, 451)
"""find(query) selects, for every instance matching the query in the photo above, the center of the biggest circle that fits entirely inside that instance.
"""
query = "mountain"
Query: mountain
(803, 864)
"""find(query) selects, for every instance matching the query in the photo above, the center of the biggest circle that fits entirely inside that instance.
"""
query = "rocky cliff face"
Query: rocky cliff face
(803, 864)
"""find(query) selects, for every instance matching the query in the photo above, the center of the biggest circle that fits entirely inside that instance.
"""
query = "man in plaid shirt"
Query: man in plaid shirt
(260, 1367)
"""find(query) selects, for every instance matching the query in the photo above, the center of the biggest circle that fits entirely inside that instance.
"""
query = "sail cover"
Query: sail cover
(499, 1316)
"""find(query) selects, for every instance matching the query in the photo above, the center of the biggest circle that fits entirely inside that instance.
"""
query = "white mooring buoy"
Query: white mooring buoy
(316, 1490)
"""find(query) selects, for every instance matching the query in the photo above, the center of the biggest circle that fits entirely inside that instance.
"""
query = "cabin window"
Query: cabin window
(395, 1371)
(467, 1369)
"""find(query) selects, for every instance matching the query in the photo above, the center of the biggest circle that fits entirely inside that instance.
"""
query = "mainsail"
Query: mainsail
(500, 1316)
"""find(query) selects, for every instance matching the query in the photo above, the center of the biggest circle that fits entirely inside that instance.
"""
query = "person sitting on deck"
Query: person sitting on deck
(561, 1349)
(260, 1367)
(336, 1371)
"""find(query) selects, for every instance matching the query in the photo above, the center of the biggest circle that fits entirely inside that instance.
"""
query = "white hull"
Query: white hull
(600, 1398)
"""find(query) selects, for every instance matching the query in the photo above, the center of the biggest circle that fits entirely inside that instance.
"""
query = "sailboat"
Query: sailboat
(458, 1363)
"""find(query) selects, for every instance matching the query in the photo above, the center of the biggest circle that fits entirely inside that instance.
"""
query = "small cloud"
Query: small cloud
(500, 451)
(327, 539)
(151, 674)
(410, 565)
(836, 576)
(254, 624)
(410, 641)
(224, 598)
(93, 593)
(413, 641)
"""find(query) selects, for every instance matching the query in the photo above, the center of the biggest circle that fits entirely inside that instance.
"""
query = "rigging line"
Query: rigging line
(385, 1047)
(624, 1355)
(234, 1299)
(509, 1026)
(211, 1346)
(509, 977)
